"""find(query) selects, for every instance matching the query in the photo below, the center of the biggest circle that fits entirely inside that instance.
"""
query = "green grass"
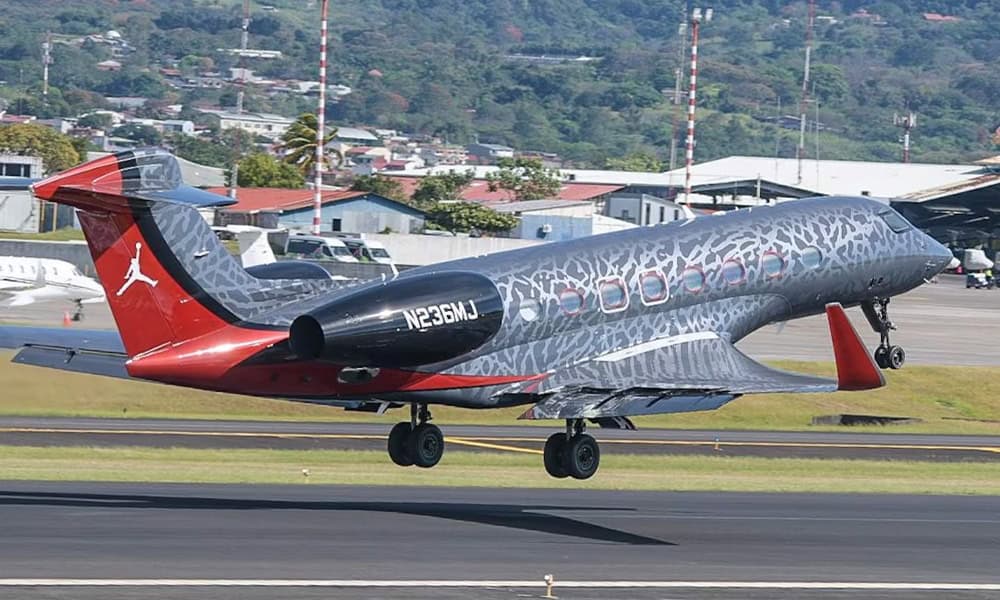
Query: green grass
(59, 235)
(618, 472)
(942, 396)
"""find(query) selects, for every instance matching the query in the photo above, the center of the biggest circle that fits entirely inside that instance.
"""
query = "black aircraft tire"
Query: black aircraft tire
(426, 445)
(896, 357)
(554, 447)
(399, 450)
(882, 357)
(582, 456)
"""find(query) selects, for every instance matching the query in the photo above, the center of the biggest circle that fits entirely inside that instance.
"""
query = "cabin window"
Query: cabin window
(773, 264)
(894, 221)
(614, 296)
(654, 288)
(812, 257)
(734, 272)
(694, 279)
(571, 301)
(530, 309)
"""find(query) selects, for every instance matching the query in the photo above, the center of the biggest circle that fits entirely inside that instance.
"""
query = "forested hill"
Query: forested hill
(468, 68)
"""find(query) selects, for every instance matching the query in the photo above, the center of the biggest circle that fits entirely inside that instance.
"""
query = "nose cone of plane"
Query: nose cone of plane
(938, 256)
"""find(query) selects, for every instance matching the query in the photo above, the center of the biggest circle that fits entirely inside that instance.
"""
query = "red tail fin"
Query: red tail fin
(150, 307)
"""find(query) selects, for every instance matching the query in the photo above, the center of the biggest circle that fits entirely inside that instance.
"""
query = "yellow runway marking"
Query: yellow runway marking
(501, 443)
(478, 444)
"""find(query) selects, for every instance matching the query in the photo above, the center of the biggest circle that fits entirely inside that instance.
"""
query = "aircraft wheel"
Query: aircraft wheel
(581, 456)
(426, 445)
(882, 357)
(554, 447)
(896, 357)
(398, 450)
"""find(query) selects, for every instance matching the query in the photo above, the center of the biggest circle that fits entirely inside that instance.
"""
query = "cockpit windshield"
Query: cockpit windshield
(894, 221)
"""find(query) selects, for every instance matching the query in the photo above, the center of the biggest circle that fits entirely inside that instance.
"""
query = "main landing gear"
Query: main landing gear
(887, 356)
(416, 442)
(573, 453)
(78, 314)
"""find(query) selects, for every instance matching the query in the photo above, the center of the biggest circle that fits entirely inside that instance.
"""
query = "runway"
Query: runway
(168, 433)
(323, 533)
(938, 324)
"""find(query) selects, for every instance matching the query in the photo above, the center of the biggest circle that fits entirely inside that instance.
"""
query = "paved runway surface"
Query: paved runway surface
(125, 531)
(941, 323)
(166, 433)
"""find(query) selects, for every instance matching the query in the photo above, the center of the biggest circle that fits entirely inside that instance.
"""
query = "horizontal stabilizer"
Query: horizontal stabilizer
(80, 351)
(78, 361)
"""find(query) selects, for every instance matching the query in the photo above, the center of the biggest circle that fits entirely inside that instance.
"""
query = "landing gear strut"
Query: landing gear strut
(887, 356)
(573, 453)
(78, 314)
(416, 442)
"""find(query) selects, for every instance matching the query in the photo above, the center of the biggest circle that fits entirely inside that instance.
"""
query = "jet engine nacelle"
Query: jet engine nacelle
(403, 322)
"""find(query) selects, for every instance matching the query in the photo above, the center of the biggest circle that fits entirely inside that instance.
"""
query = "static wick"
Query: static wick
(549, 582)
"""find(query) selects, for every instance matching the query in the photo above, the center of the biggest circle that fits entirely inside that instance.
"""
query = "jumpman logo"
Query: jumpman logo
(134, 272)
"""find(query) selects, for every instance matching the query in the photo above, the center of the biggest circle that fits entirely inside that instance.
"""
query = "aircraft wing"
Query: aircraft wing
(7, 286)
(685, 373)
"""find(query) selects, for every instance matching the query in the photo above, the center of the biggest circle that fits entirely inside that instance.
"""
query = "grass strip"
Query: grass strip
(940, 396)
(618, 472)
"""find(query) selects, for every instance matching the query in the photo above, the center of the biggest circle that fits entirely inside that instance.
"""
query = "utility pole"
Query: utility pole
(696, 20)
(907, 122)
(678, 80)
(244, 40)
(320, 123)
(46, 61)
(804, 103)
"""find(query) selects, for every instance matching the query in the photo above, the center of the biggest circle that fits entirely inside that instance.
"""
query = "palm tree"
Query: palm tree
(299, 144)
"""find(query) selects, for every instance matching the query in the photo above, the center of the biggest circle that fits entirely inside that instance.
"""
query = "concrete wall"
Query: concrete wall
(429, 249)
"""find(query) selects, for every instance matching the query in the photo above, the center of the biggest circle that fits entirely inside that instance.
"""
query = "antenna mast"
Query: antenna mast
(907, 122)
(803, 106)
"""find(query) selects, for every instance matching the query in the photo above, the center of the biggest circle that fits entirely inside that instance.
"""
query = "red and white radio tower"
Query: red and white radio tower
(696, 21)
(320, 124)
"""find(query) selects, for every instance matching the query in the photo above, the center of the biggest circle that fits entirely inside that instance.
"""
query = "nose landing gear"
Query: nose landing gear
(573, 453)
(887, 356)
(416, 442)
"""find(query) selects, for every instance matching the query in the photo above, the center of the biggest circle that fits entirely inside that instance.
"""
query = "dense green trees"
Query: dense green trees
(446, 69)
(381, 185)
(525, 179)
(263, 170)
(299, 144)
(55, 149)
(463, 217)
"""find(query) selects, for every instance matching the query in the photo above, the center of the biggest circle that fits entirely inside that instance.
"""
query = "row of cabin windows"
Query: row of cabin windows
(653, 289)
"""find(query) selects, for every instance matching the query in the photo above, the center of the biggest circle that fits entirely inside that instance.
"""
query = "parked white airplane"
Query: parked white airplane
(31, 280)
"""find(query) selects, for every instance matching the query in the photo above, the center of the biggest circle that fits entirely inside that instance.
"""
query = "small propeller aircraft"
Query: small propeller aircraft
(597, 329)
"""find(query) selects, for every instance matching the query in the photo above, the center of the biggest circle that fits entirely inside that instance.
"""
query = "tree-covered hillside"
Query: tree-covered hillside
(457, 69)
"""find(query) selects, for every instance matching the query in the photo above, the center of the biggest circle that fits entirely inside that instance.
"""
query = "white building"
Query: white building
(265, 124)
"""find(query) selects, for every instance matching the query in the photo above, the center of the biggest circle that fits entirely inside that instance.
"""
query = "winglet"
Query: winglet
(856, 370)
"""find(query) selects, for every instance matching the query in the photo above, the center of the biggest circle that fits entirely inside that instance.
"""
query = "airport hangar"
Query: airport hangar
(957, 204)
